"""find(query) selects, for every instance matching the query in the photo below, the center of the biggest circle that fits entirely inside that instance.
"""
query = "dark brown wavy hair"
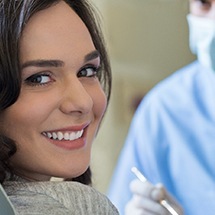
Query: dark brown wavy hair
(14, 14)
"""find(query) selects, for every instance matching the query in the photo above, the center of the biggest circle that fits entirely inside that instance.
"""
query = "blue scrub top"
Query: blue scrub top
(172, 141)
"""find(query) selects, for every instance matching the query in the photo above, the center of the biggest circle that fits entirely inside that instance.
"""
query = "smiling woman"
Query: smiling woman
(55, 84)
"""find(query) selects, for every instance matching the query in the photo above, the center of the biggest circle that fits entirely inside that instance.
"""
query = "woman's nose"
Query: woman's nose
(75, 98)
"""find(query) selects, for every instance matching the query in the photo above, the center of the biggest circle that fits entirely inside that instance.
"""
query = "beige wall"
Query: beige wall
(147, 41)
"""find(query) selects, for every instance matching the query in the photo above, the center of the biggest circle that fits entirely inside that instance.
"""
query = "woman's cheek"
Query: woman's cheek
(101, 103)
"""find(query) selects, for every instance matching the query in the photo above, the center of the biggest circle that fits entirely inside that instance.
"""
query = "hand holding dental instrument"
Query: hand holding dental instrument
(163, 202)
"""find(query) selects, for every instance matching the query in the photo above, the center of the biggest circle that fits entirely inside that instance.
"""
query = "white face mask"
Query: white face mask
(202, 40)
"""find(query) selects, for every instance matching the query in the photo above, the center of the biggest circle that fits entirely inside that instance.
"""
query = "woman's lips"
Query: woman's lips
(68, 138)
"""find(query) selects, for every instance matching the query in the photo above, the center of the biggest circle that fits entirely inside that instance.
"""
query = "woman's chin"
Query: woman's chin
(74, 173)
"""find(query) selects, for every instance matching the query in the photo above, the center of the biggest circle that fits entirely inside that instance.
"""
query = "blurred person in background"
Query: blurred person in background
(171, 138)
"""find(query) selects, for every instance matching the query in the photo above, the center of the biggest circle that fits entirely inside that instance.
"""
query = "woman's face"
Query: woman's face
(61, 104)
(203, 8)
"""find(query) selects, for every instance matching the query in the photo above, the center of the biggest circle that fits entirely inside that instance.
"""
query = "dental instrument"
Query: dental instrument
(163, 202)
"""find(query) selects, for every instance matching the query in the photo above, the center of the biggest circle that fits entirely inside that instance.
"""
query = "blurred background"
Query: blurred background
(147, 41)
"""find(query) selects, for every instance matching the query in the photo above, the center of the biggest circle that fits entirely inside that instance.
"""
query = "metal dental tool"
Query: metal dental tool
(163, 202)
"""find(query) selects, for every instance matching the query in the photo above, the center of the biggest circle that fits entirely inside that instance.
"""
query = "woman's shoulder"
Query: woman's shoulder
(57, 198)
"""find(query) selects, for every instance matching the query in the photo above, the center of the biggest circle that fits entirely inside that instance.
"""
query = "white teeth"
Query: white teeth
(54, 135)
(60, 135)
(49, 135)
(64, 136)
(72, 136)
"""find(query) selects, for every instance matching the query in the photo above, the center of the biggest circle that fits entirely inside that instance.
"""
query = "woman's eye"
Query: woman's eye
(88, 72)
(38, 79)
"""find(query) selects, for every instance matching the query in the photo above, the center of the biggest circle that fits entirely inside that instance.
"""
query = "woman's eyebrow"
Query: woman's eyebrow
(43, 63)
(91, 56)
(57, 63)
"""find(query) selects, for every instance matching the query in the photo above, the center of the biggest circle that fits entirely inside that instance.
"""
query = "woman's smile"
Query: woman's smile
(60, 135)
(69, 138)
